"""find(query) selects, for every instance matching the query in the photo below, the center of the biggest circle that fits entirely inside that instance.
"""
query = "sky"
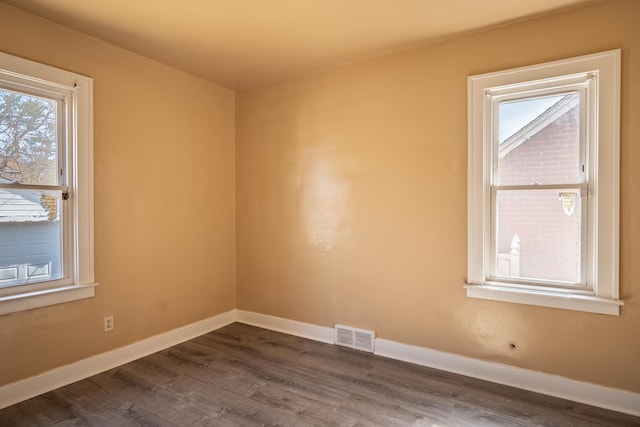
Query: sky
(514, 115)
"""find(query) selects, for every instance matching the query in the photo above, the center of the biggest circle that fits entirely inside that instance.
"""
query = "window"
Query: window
(46, 185)
(543, 184)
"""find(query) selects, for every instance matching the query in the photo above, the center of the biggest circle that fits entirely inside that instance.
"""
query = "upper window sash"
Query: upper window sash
(63, 121)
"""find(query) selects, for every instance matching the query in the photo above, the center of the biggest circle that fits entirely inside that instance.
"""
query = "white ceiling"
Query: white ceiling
(242, 44)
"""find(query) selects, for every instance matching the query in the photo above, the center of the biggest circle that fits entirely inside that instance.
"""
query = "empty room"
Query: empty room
(367, 212)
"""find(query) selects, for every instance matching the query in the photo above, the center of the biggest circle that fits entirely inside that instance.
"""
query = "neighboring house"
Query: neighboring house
(551, 229)
(29, 237)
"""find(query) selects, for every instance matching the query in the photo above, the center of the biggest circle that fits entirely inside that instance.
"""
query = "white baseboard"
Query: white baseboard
(552, 385)
(33, 386)
(291, 327)
(527, 379)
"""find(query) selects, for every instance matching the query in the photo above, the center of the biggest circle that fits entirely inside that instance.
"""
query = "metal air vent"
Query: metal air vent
(358, 339)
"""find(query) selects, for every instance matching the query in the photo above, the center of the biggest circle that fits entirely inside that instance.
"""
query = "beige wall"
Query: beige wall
(351, 201)
(164, 202)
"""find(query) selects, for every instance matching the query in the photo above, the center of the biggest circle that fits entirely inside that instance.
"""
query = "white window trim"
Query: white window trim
(604, 298)
(32, 74)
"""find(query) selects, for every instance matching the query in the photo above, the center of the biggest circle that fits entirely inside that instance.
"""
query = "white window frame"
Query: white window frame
(77, 91)
(602, 294)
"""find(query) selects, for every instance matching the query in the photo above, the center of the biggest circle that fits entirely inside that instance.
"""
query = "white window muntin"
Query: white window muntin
(603, 179)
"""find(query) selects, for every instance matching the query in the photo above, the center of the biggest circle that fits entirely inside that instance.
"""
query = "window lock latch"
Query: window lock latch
(65, 195)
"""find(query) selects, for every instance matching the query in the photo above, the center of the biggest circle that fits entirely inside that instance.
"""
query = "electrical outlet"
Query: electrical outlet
(108, 323)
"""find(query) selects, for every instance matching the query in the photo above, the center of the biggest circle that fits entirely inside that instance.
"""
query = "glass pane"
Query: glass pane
(30, 236)
(538, 235)
(539, 141)
(28, 139)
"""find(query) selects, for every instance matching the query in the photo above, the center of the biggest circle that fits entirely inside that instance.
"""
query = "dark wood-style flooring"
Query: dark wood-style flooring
(246, 376)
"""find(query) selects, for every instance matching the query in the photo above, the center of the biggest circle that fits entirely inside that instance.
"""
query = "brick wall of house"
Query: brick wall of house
(549, 238)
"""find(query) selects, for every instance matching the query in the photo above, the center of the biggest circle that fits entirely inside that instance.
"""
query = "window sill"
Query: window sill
(43, 298)
(586, 303)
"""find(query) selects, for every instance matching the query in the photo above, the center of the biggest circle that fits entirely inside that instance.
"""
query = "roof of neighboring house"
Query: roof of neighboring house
(538, 124)
(21, 206)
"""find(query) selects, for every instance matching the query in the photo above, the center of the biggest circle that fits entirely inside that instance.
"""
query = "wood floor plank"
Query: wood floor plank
(241, 375)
